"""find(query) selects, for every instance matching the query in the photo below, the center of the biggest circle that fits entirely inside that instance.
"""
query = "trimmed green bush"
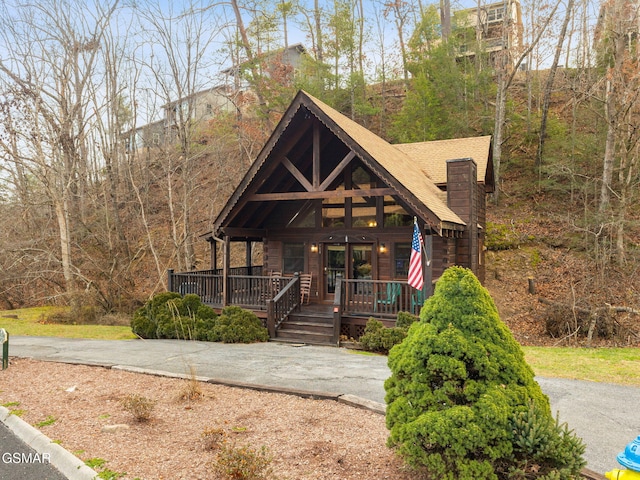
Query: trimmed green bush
(170, 315)
(461, 397)
(236, 325)
(378, 338)
(405, 320)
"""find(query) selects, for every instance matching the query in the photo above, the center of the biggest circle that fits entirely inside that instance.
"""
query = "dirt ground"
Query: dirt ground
(81, 407)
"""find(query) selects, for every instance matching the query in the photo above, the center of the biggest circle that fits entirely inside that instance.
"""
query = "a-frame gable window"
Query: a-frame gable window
(394, 214)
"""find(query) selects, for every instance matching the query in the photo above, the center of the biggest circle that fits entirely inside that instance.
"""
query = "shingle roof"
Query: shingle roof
(432, 156)
(397, 163)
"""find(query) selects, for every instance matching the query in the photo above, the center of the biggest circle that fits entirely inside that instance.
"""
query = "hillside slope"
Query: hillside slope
(548, 287)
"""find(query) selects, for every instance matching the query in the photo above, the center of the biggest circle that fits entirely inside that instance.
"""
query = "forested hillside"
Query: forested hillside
(87, 219)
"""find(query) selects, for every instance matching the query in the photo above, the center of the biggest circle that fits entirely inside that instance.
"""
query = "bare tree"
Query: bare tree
(618, 55)
(506, 69)
(182, 44)
(51, 59)
(550, 80)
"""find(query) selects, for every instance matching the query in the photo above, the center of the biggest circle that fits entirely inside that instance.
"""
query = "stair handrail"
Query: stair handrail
(279, 307)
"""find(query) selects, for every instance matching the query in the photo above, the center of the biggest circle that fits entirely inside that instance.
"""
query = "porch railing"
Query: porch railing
(279, 296)
(380, 298)
(286, 301)
(243, 289)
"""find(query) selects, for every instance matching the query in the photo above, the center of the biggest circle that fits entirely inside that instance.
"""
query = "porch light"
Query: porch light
(382, 248)
(314, 248)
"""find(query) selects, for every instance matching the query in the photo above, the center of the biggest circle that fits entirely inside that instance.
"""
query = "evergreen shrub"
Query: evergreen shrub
(463, 404)
(236, 325)
(378, 338)
(170, 315)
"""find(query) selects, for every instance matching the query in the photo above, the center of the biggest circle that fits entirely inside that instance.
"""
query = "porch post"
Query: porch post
(428, 266)
(214, 254)
(225, 271)
(248, 257)
(170, 279)
(337, 311)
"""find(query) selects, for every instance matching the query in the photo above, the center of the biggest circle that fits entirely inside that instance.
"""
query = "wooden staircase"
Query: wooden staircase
(312, 325)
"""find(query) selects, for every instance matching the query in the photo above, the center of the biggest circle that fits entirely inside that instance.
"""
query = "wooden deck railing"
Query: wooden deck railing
(286, 301)
(249, 291)
(383, 298)
(279, 296)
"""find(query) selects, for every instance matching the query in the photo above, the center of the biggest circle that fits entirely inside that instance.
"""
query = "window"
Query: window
(292, 258)
(333, 212)
(363, 212)
(401, 256)
(394, 214)
(495, 14)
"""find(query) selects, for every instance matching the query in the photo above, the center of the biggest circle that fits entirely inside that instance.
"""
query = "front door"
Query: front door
(350, 261)
(334, 265)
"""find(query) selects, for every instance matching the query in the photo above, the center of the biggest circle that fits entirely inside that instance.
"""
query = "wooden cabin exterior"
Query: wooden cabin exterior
(329, 198)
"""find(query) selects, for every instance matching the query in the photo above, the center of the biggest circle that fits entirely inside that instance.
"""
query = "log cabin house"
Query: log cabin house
(333, 206)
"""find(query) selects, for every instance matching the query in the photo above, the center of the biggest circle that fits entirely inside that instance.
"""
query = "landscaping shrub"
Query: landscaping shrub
(236, 325)
(378, 338)
(243, 463)
(405, 320)
(139, 406)
(169, 315)
(462, 401)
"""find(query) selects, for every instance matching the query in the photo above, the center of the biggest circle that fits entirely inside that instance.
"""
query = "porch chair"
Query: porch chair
(305, 287)
(275, 282)
(417, 300)
(393, 292)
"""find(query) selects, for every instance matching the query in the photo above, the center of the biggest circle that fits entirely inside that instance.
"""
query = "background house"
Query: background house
(493, 26)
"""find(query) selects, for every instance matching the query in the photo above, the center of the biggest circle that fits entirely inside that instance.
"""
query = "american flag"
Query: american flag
(416, 279)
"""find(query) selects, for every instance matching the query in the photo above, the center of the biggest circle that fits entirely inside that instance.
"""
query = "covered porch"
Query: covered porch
(278, 301)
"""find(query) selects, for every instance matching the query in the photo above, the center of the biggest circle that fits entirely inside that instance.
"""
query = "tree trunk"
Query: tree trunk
(549, 85)
(62, 216)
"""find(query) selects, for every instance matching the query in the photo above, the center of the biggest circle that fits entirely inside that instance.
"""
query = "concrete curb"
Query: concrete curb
(347, 399)
(68, 464)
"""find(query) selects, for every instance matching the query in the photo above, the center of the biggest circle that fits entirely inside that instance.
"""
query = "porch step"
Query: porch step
(306, 328)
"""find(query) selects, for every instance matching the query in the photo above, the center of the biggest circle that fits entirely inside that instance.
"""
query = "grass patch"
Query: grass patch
(33, 322)
(50, 420)
(608, 365)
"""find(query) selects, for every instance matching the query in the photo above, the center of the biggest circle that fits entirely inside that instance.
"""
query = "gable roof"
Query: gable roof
(396, 163)
(393, 165)
(433, 155)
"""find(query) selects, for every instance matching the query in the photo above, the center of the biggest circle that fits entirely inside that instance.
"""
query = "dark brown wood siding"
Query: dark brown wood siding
(482, 221)
(462, 198)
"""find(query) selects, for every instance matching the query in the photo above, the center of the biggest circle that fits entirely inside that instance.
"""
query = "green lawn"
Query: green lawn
(608, 365)
(31, 322)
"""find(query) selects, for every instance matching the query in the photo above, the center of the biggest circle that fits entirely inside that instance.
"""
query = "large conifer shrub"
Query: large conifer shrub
(170, 315)
(462, 401)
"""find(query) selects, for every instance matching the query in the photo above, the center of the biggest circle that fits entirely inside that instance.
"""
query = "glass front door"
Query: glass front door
(359, 265)
(335, 265)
